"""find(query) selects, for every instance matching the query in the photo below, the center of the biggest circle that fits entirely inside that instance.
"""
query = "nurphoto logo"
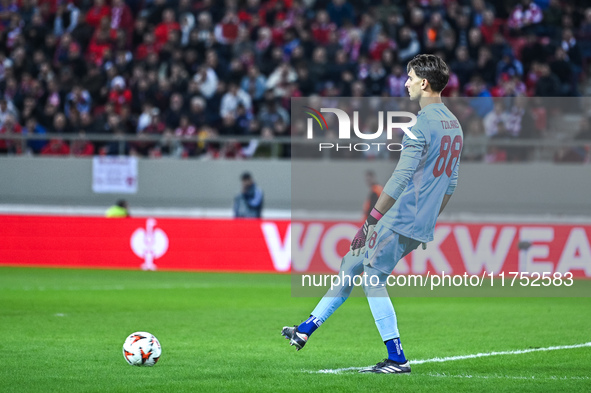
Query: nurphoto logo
(390, 118)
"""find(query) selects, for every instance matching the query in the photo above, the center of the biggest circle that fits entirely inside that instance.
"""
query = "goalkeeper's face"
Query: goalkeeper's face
(414, 86)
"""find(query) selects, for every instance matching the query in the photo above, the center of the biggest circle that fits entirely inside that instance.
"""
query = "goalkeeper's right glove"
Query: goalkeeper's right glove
(365, 232)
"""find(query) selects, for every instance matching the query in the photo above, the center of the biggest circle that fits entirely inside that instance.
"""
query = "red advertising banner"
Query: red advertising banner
(458, 248)
(265, 246)
(133, 243)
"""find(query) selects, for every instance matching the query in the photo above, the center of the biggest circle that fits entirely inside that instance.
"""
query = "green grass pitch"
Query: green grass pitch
(62, 330)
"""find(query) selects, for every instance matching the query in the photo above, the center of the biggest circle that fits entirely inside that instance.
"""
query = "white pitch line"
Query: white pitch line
(462, 357)
(499, 376)
(486, 354)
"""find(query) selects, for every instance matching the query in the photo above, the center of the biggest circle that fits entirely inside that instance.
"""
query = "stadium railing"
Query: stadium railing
(541, 149)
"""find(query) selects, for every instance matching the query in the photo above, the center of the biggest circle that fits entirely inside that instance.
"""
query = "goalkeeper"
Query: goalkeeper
(404, 215)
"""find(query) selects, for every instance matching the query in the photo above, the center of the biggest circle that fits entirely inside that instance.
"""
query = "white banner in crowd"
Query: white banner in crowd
(114, 175)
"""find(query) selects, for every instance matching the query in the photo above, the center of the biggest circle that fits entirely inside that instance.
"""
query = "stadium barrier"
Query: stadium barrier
(226, 245)
(543, 149)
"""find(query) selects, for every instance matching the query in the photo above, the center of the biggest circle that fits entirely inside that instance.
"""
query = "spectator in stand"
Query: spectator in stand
(509, 64)
(322, 27)
(36, 31)
(396, 81)
(10, 127)
(513, 118)
(494, 121)
(509, 86)
(525, 17)
(187, 23)
(97, 12)
(119, 94)
(271, 113)
(461, 26)
(207, 81)
(187, 131)
(490, 26)
(479, 7)
(333, 46)
(475, 42)
(532, 51)
(254, 83)
(486, 67)
(108, 121)
(563, 69)
(482, 101)
(236, 71)
(213, 61)
(121, 17)
(60, 124)
(65, 19)
(87, 123)
(463, 66)
(82, 147)
(55, 147)
(34, 128)
(552, 17)
(376, 79)
(117, 147)
(585, 28)
(449, 45)
(234, 97)
(570, 45)
(340, 11)
(197, 113)
(435, 30)
(495, 154)
(145, 117)
(167, 25)
(228, 126)
(408, 44)
(100, 47)
(548, 84)
(79, 99)
(226, 32)
(82, 32)
(148, 46)
(7, 109)
(127, 121)
(243, 119)
(338, 68)
(285, 74)
(382, 43)
(172, 117)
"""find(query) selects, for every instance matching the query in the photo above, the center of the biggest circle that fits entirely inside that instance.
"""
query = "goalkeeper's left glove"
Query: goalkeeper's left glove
(365, 232)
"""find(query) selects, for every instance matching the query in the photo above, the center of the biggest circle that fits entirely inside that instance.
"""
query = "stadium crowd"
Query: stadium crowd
(197, 69)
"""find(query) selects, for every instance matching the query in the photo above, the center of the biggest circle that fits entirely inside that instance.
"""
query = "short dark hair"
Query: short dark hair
(246, 176)
(432, 68)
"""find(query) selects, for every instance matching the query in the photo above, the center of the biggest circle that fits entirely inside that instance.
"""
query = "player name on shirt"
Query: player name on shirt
(449, 124)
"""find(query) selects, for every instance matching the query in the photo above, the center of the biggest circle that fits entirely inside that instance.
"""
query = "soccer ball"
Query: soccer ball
(141, 349)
